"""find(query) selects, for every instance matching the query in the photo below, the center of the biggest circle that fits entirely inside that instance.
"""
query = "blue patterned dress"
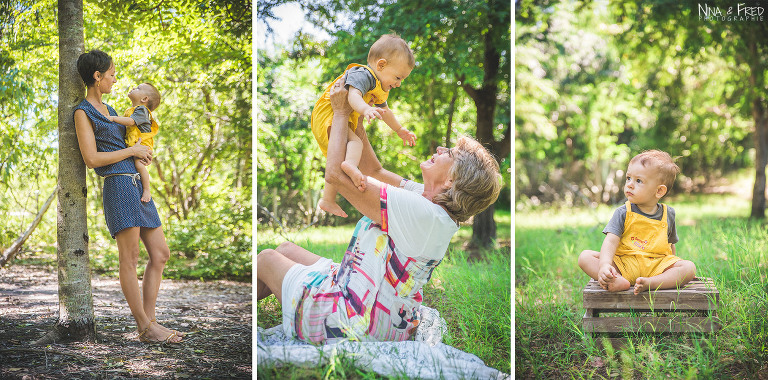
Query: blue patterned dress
(122, 203)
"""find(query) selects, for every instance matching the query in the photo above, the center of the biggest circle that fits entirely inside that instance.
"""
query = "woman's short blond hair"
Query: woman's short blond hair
(476, 181)
(392, 48)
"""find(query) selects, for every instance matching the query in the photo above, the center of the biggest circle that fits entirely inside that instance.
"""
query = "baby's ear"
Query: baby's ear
(381, 63)
(661, 191)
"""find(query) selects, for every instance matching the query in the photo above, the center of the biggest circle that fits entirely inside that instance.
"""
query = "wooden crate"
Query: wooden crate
(690, 309)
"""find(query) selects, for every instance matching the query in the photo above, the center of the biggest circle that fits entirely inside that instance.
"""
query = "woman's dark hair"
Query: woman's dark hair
(91, 62)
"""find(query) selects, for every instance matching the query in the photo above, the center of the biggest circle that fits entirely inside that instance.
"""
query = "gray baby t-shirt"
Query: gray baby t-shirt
(141, 117)
(362, 79)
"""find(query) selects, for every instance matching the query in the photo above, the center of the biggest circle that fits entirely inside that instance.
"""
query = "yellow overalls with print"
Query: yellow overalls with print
(132, 132)
(322, 114)
(644, 249)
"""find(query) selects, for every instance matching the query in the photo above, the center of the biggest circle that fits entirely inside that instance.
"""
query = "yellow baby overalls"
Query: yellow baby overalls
(322, 114)
(132, 132)
(644, 249)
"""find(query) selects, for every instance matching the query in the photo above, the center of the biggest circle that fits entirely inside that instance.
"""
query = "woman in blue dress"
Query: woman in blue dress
(129, 220)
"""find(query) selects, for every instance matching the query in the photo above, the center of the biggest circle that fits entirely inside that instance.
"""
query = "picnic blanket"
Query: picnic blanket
(425, 357)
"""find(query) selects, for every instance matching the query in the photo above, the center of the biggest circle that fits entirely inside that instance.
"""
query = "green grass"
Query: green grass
(472, 294)
(714, 234)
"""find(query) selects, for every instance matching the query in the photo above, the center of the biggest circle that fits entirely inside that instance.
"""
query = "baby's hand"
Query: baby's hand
(409, 138)
(111, 118)
(373, 113)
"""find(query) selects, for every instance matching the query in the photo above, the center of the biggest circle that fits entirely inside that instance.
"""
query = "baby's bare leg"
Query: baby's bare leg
(675, 276)
(352, 160)
(589, 262)
(144, 173)
(328, 201)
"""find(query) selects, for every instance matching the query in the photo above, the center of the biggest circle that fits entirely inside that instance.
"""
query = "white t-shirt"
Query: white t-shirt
(417, 226)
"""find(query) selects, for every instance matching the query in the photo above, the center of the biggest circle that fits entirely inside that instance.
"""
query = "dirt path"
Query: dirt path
(216, 317)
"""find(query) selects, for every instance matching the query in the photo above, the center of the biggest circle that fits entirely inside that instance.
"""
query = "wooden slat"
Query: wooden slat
(701, 313)
(650, 324)
(699, 294)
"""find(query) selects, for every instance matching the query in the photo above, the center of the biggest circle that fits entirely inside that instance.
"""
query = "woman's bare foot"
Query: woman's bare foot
(618, 284)
(332, 208)
(642, 284)
(145, 196)
(155, 333)
(355, 174)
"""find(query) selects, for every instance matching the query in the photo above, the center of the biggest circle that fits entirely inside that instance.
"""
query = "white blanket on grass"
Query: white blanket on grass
(423, 358)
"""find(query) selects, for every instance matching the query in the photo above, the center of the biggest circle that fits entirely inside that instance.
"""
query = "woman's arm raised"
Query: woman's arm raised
(369, 163)
(367, 202)
(94, 158)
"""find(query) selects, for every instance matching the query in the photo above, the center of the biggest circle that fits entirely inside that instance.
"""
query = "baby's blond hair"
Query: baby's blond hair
(392, 48)
(666, 169)
(154, 97)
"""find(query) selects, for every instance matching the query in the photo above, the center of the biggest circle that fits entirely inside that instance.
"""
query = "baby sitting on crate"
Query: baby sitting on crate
(639, 245)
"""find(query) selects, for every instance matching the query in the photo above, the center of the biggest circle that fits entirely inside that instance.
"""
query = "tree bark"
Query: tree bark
(484, 228)
(76, 319)
(761, 158)
(760, 115)
(451, 110)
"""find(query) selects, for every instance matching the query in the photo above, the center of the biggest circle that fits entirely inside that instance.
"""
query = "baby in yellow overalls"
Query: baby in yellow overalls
(639, 245)
(140, 124)
(390, 61)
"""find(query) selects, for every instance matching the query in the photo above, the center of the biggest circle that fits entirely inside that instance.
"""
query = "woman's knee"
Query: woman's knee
(160, 256)
(265, 257)
(129, 256)
(285, 246)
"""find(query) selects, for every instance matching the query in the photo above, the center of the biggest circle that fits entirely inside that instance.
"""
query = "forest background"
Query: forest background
(198, 54)
(598, 82)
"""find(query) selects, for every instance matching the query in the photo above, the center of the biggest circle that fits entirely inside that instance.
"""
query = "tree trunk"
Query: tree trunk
(483, 225)
(484, 228)
(76, 321)
(761, 157)
(760, 115)
(451, 110)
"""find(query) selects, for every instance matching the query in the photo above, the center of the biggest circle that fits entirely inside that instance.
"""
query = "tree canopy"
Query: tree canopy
(598, 83)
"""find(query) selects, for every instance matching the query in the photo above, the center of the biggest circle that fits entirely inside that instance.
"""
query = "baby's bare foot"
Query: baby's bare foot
(641, 284)
(355, 174)
(618, 284)
(145, 196)
(332, 207)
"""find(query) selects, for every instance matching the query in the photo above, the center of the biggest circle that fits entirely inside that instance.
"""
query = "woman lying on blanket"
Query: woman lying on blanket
(375, 292)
